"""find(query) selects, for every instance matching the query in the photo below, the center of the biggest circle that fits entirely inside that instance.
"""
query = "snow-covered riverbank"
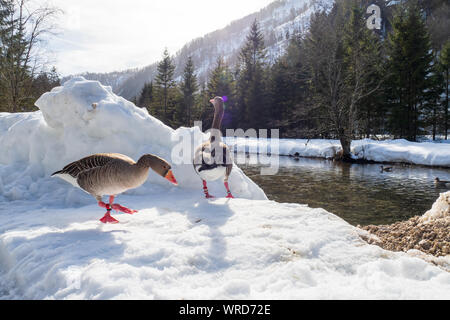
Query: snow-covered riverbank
(179, 245)
(403, 151)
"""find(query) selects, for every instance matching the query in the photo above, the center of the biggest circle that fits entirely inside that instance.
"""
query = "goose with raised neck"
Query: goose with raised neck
(212, 159)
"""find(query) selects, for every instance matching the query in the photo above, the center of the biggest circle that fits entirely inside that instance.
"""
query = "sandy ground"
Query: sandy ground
(429, 233)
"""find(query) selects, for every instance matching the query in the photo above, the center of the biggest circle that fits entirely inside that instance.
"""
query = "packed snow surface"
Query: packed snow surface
(400, 150)
(179, 245)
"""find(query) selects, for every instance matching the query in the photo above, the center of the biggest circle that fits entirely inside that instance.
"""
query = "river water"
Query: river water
(358, 193)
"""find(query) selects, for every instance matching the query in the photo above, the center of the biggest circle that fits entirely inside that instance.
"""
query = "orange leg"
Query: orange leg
(205, 190)
(229, 195)
(107, 217)
(113, 206)
(118, 207)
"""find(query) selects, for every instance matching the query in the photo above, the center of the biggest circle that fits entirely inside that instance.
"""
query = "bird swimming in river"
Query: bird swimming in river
(441, 183)
(387, 169)
(212, 159)
(111, 174)
(295, 156)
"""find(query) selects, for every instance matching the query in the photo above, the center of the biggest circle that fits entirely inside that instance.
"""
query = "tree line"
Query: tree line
(338, 80)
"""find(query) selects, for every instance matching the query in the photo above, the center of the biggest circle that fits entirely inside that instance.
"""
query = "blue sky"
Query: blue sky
(108, 35)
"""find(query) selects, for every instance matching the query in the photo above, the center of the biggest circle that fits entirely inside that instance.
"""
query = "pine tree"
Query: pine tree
(432, 99)
(165, 82)
(410, 65)
(189, 87)
(15, 78)
(287, 89)
(146, 98)
(251, 80)
(444, 66)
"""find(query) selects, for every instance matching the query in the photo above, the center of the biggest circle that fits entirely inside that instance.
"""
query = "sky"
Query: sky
(111, 35)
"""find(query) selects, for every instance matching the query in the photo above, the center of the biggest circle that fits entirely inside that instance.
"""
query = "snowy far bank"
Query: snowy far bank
(403, 151)
(179, 245)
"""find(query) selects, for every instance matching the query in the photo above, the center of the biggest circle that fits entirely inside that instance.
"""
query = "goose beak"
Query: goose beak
(169, 176)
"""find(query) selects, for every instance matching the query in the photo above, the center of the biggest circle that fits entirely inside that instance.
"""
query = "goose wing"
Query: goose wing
(91, 162)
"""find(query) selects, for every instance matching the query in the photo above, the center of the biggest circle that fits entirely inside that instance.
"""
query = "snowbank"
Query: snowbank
(440, 209)
(423, 153)
(70, 126)
(181, 246)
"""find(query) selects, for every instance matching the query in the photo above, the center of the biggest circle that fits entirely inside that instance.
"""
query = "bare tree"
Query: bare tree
(341, 72)
(24, 29)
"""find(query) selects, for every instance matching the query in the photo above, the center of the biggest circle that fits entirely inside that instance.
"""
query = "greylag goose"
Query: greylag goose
(212, 159)
(441, 183)
(387, 169)
(111, 174)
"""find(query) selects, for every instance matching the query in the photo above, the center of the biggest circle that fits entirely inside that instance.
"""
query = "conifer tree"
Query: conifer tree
(432, 99)
(252, 81)
(444, 66)
(287, 88)
(410, 66)
(164, 82)
(189, 87)
(146, 98)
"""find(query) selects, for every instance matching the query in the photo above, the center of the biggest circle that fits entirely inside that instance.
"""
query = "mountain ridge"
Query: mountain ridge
(278, 21)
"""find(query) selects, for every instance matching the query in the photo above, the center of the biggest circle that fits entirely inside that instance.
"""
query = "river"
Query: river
(358, 193)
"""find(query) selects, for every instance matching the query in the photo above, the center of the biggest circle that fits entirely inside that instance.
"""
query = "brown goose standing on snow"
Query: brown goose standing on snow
(111, 174)
(212, 160)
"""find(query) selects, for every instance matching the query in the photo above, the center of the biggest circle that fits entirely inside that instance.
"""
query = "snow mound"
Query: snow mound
(82, 118)
(181, 246)
(439, 210)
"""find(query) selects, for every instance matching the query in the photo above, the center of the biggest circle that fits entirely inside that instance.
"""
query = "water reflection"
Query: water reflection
(358, 193)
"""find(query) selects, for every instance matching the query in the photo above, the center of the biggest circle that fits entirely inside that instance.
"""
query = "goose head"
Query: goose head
(217, 103)
(159, 165)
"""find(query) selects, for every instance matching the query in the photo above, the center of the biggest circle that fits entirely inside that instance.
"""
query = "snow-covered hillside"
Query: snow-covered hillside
(179, 245)
(278, 21)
